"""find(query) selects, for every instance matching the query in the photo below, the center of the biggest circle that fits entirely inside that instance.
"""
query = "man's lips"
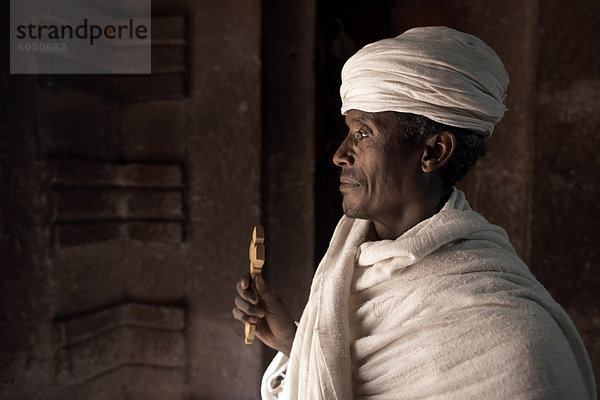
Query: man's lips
(346, 184)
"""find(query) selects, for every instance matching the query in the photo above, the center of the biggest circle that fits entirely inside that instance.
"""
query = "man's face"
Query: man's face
(380, 174)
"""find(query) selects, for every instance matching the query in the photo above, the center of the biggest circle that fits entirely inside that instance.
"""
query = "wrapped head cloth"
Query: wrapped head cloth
(447, 76)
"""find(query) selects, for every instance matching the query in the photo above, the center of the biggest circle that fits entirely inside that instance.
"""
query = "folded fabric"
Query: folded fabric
(445, 75)
(446, 311)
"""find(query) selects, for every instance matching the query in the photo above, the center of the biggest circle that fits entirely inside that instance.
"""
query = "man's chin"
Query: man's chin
(351, 212)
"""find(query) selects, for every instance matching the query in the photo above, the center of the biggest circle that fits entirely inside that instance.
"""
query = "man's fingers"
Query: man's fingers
(248, 308)
(240, 316)
(244, 283)
(244, 292)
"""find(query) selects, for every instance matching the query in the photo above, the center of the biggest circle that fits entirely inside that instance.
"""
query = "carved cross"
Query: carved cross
(257, 260)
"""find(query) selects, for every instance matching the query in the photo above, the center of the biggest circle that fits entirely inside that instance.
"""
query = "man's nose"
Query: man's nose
(344, 157)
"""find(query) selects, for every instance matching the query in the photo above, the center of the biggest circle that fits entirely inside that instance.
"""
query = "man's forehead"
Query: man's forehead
(354, 116)
(379, 119)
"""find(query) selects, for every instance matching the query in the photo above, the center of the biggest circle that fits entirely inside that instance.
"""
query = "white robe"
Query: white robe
(446, 311)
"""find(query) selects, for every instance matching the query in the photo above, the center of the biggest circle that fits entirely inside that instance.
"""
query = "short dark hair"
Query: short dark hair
(470, 146)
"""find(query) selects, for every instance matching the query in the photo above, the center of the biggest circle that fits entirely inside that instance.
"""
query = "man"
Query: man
(418, 296)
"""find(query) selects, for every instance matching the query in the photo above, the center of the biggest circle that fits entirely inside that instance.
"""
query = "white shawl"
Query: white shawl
(446, 311)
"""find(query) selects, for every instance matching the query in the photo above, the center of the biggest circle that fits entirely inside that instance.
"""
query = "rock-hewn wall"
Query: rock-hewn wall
(565, 228)
(127, 206)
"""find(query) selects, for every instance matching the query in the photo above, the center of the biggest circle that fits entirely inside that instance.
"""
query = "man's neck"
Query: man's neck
(393, 228)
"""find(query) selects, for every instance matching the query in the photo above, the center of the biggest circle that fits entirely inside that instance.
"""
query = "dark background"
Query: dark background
(128, 201)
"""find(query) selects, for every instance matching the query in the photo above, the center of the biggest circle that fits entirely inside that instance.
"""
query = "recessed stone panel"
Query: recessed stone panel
(117, 341)
(95, 201)
(80, 173)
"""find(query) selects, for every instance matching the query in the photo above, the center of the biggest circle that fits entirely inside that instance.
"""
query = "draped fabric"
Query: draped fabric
(446, 311)
(448, 76)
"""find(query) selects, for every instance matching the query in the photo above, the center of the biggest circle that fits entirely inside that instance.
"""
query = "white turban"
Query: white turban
(448, 76)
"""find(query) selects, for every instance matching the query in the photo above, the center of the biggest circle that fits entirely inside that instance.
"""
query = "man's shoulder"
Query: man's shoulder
(460, 278)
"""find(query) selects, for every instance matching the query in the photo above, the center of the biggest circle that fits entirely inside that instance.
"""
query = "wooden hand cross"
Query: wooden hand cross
(257, 260)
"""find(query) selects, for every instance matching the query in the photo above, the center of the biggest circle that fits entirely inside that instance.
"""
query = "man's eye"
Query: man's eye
(361, 134)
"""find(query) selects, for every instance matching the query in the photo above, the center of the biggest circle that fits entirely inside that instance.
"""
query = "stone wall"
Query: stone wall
(127, 206)
(565, 232)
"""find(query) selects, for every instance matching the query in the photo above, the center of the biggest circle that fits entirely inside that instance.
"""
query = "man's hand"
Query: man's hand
(274, 325)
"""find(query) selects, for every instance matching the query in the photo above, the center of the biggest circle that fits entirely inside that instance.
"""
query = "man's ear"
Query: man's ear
(438, 150)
